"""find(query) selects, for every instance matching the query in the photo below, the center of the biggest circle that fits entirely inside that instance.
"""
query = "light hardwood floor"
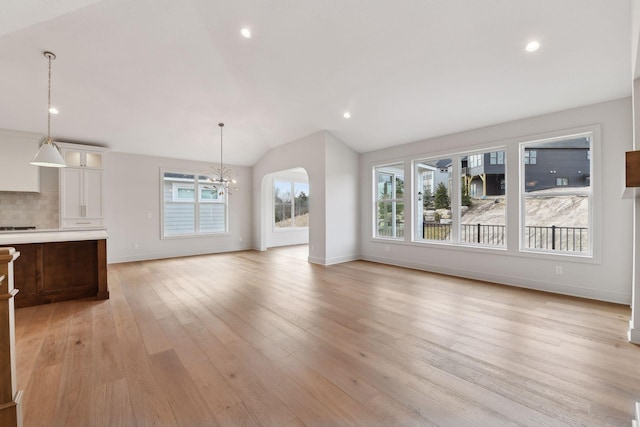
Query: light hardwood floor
(254, 338)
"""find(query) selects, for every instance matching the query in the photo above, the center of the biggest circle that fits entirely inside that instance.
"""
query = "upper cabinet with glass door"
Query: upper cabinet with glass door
(81, 156)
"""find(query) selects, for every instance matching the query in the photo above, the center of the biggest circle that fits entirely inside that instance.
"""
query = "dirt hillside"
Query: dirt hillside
(544, 209)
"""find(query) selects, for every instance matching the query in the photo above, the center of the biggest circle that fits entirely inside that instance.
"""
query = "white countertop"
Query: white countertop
(8, 238)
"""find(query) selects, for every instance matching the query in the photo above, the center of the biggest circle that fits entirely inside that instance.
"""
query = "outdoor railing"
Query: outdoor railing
(436, 231)
(483, 234)
(570, 239)
(387, 231)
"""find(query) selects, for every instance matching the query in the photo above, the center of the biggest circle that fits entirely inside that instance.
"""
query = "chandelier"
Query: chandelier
(223, 176)
(48, 154)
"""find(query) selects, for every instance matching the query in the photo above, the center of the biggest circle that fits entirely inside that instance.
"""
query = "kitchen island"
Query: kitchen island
(58, 265)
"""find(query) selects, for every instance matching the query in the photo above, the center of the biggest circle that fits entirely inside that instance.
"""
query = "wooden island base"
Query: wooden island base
(59, 271)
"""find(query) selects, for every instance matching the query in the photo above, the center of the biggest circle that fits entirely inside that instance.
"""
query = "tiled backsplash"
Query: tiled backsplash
(27, 209)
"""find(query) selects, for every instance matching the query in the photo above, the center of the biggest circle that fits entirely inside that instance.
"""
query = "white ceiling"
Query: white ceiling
(156, 76)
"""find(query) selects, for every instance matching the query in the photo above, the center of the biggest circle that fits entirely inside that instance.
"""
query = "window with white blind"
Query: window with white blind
(192, 205)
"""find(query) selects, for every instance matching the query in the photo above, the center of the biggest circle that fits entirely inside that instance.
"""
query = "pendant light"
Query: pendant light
(48, 154)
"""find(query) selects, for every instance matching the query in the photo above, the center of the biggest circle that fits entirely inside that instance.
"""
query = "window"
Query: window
(183, 214)
(483, 202)
(461, 199)
(182, 192)
(475, 160)
(389, 201)
(434, 217)
(290, 212)
(207, 194)
(185, 192)
(477, 198)
(496, 158)
(530, 157)
(557, 219)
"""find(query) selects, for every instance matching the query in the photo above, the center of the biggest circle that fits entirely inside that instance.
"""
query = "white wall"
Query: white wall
(607, 278)
(342, 208)
(634, 324)
(307, 153)
(320, 155)
(132, 210)
(635, 38)
(290, 236)
(634, 327)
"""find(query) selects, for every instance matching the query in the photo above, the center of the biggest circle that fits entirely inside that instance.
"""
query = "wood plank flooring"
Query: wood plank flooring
(267, 339)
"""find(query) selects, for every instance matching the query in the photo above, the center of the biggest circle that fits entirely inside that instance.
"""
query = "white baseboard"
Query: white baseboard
(152, 256)
(316, 260)
(596, 294)
(634, 336)
(332, 261)
(341, 259)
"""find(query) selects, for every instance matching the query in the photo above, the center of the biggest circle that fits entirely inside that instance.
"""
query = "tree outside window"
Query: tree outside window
(433, 216)
(291, 204)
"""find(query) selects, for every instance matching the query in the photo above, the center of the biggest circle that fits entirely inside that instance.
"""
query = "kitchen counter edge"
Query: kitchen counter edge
(8, 238)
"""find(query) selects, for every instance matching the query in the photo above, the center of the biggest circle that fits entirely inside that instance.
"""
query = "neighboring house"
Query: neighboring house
(548, 165)
(557, 164)
(443, 173)
(484, 174)
(432, 175)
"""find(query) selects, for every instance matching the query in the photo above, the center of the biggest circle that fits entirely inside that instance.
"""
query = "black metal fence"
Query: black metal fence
(570, 239)
(436, 231)
(470, 233)
(482, 234)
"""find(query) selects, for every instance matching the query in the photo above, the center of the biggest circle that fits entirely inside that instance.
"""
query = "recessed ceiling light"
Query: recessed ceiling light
(53, 110)
(532, 46)
(347, 115)
(246, 33)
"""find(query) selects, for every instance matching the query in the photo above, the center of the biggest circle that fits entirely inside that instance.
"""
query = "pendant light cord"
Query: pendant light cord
(49, 105)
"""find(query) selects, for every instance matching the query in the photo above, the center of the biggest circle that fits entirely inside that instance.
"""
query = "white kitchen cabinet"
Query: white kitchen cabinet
(81, 186)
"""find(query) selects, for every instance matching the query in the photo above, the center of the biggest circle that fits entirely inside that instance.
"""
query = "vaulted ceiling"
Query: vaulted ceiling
(156, 76)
